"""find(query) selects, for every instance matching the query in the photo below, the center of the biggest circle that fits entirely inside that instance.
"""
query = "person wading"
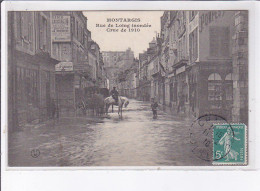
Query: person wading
(154, 106)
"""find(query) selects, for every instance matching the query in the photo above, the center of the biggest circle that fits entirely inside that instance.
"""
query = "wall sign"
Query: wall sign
(60, 25)
(64, 67)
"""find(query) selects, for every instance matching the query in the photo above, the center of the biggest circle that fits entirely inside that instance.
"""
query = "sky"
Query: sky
(120, 41)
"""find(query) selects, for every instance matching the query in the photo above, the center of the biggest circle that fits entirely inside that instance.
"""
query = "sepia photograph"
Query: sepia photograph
(127, 88)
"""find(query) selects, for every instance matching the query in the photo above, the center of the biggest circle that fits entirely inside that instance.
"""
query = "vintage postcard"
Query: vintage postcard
(111, 88)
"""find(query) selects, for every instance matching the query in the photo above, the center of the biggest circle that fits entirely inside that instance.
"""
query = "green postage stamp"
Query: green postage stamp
(230, 144)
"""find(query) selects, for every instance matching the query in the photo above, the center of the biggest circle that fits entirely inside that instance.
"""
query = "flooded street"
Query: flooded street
(135, 140)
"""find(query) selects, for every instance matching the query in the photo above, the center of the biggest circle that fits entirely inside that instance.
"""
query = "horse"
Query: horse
(122, 101)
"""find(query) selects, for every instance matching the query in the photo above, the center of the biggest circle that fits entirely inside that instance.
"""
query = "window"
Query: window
(30, 38)
(77, 29)
(43, 33)
(184, 46)
(24, 25)
(72, 25)
(214, 76)
(229, 77)
(19, 24)
(219, 41)
(229, 87)
(215, 90)
(193, 41)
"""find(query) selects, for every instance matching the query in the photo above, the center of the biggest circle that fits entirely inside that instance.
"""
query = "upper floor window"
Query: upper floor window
(219, 41)
(76, 28)
(193, 45)
(43, 32)
(25, 25)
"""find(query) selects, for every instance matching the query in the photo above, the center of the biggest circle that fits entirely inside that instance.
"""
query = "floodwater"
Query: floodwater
(135, 140)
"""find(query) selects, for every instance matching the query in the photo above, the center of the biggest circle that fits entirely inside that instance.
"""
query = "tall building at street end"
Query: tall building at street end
(116, 61)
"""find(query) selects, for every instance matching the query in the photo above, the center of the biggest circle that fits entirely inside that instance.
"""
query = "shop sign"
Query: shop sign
(209, 17)
(60, 28)
(64, 67)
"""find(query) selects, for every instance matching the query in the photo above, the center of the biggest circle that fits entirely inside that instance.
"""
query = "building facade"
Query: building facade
(79, 71)
(115, 62)
(127, 81)
(201, 64)
(31, 67)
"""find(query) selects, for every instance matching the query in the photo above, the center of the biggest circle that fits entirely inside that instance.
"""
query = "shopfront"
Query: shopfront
(214, 89)
(35, 79)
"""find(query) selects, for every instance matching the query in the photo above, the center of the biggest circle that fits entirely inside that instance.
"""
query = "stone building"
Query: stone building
(127, 81)
(201, 65)
(210, 75)
(142, 67)
(178, 61)
(31, 68)
(79, 56)
(116, 61)
(240, 68)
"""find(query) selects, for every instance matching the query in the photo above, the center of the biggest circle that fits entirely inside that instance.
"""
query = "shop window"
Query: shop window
(214, 89)
(229, 77)
(229, 87)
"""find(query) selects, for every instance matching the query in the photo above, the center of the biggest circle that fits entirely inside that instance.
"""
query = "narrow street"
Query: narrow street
(136, 139)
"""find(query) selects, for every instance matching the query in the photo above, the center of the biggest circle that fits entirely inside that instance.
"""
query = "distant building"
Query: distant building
(150, 72)
(127, 81)
(115, 61)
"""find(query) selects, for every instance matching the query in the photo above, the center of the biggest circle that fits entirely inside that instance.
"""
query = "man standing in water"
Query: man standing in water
(154, 106)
